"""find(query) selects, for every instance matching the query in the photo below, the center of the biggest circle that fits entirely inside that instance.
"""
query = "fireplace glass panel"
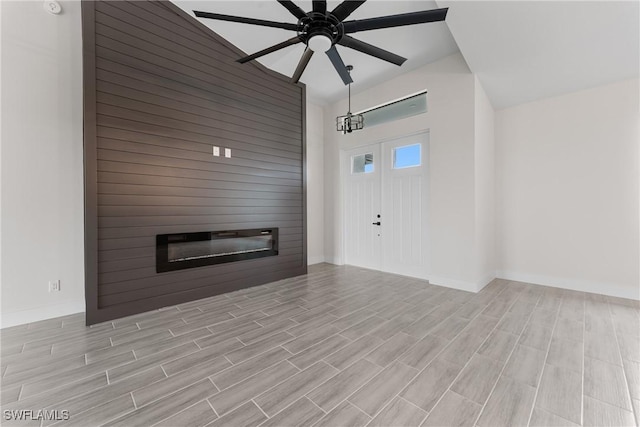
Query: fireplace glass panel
(184, 251)
(189, 250)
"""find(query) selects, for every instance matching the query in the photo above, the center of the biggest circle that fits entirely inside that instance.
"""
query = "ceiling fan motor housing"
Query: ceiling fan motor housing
(317, 30)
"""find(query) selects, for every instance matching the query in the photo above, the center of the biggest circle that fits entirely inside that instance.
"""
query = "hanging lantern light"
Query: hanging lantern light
(349, 122)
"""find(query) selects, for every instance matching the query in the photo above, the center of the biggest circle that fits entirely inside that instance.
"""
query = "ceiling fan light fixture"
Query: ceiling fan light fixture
(320, 43)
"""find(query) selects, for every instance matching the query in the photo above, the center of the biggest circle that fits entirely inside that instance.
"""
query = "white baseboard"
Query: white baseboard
(315, 260)
(458, 284)
(333, 260)
(41, 313)
(608, 289)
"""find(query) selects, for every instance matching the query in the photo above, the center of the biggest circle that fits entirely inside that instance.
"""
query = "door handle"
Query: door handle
(376, 223)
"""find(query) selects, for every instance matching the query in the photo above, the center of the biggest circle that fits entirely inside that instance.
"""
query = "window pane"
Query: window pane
(362, 163)
(407, 156)
(397, 110)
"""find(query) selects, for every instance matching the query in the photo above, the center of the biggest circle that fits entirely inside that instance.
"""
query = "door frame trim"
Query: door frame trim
(340, 259)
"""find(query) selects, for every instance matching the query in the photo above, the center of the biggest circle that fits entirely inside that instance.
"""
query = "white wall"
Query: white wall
(568, 191)
(484, 119)
(450, 121)
(42, 187)
(315, 184)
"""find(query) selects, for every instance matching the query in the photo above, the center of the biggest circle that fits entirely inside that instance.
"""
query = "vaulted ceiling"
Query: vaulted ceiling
(520, 50)
(527, 50)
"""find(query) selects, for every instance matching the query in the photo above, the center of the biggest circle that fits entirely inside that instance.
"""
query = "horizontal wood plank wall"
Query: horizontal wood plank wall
(160, 91)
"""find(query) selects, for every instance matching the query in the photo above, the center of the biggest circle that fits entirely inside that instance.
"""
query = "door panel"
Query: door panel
(362, 206)
(404, 209)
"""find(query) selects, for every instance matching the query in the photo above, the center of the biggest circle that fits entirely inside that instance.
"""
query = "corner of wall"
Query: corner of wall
(315, 184)
(484, 183)
(469, 286)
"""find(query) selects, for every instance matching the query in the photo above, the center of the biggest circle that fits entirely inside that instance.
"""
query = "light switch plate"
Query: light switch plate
(227, 152)
(216, 151)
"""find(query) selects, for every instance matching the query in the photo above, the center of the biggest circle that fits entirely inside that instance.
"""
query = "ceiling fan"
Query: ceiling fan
(321, 31)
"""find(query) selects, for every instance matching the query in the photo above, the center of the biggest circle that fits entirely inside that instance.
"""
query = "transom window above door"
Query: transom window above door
(402, 108)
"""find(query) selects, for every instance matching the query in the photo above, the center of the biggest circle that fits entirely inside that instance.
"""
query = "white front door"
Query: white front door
(362, 207)
(386, 206)
(404, 206)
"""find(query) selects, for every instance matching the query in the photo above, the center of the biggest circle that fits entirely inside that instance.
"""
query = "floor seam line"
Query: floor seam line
(544, 364)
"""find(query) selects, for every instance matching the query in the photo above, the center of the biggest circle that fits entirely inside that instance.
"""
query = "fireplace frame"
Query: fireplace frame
(163, 241)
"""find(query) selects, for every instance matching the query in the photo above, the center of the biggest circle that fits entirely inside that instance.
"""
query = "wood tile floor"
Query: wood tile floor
(340, 346)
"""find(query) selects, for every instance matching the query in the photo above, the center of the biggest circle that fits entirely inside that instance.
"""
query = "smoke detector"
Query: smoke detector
(52, 6)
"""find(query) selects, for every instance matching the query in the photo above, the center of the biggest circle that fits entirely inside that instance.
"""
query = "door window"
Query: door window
(362, 163)
(407, 156)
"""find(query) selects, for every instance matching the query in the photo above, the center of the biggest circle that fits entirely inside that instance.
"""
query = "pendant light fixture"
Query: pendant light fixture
(350, 122)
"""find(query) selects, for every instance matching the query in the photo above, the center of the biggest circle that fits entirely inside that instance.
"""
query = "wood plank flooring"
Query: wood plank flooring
(341, 346)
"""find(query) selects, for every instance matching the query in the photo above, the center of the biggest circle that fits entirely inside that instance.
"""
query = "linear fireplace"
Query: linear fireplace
(189, 250)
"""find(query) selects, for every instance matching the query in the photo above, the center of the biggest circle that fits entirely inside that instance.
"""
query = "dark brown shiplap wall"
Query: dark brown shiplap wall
(160, 91)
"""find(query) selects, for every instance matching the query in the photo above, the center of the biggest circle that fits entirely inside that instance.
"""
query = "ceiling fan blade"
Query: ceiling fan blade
(268, 50)
(395, 20)
(320, 6)
(306, 57)
(371, 50)
(346, 8)
(261, 22)
(291, 7)
(338, 64)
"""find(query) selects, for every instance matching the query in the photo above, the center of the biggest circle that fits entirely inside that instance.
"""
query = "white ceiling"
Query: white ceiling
(420, 44)
(521, 50)
(527, 50)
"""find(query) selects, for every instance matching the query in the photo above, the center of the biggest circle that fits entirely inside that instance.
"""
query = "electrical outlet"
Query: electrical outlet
(54, 286)
(216, 151)
(227, 152)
